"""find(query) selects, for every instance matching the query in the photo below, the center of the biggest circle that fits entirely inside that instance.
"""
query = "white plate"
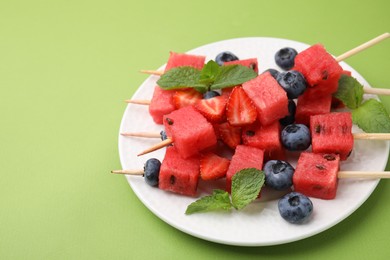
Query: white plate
(259, 224)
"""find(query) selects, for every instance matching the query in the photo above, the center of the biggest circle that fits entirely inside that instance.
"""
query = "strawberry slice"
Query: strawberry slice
(230, 135)
(213, 167)
(240, 109)
(213, 108)
(186, 97)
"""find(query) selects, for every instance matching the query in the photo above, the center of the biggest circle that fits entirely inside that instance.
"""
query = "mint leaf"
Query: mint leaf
(372, 117)
(219, 200)
(232, 75)
(181, 77)
(246, 186)
(209, 72)
(349, 91)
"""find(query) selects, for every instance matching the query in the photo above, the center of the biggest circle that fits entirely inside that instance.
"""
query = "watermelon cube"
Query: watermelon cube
(250, 63)
(269, 98)
(266, 138)
(179, 175)
(316, 175)
(162, 103)
(308, 106)
(244, 157)
(189, 130)
(321, 71)
(332, 133)
(184, 59)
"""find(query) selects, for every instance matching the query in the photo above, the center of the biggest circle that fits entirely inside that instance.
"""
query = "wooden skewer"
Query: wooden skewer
(371, 136)
(142, 134)
(364, 174)
(138, 101)
(377, 91)
(153, 72)
(129, 172)
(362, 47)
(155, 147)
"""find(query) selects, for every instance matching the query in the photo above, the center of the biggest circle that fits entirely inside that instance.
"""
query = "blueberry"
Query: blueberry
(210, 94)
(290, 118)
(293, 82)
(224, 57)
(278, 174)
(274, 72)
(152, 171)
(284, 58)
(295, 207)
(163, 135)
(296, 137)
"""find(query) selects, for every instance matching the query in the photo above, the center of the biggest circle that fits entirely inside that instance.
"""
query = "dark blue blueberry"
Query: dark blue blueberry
(152, 171)
(224, 57)
(210, 94)
(293, 82)
(295, 207)
(296, 137)
(284, 58)
(163, 136)
(278, 174)
(274, 72)
(290, 118)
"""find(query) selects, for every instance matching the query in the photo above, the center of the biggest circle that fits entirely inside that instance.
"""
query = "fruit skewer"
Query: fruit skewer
(341, 174)
(339, 58)
(358, 136)
(168, 141)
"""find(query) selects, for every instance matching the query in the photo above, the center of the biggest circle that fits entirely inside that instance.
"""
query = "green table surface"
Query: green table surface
(65, 69)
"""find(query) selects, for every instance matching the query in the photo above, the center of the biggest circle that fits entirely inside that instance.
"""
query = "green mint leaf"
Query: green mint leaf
(181, 77)
(209, 72)
(349, 91)
(219, 200)
(372, 117)
(232, 75)
(246, 186)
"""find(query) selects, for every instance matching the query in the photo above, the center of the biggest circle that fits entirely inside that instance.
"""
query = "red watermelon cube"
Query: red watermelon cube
(179, 175)
(189, 130)
(321, 71)
(308, 106)
(269, 98)
(250, 63)
(244, 157)
(184, 59)
(332, 133)
(162, 103)
(266, 138)
(316, 175)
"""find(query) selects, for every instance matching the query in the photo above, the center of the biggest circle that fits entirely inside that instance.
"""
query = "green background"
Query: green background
(65, 69)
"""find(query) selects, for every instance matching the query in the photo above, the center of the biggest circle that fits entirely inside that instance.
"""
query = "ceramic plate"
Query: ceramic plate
(258, 224)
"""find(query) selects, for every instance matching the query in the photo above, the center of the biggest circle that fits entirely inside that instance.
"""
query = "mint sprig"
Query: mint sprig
(219, 200)
(371, 116)
(211, 77)
(349, 91)
(246, 186)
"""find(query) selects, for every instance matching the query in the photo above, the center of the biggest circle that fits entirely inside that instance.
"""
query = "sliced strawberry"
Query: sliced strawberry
(213, 167)
(230, 135)
(213, 108)
(240, 109)
(186, 97)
